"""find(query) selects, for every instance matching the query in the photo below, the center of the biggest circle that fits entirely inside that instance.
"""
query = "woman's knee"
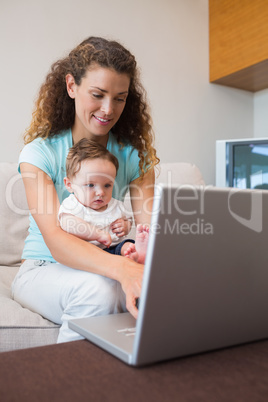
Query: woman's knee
(95, 295)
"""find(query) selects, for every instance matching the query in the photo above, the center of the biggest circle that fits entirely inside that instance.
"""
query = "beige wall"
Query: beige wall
(261, 114)
(170, 41)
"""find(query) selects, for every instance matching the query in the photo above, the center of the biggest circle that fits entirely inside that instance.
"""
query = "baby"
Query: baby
(90, 212)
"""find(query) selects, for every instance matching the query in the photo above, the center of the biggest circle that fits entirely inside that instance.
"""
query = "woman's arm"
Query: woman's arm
(69, 250)
(84, 230)
(142, 196)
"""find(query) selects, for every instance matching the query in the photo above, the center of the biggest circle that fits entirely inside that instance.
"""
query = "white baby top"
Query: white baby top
(115, 210)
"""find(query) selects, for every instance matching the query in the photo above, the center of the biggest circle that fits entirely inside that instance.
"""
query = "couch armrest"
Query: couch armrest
(14, 214)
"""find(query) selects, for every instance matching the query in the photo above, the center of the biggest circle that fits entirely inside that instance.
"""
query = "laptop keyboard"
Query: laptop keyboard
(128, 331)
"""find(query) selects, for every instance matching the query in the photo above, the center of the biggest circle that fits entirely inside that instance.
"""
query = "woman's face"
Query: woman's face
(99, 102)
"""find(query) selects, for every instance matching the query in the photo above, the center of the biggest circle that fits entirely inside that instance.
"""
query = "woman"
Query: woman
(93, 93)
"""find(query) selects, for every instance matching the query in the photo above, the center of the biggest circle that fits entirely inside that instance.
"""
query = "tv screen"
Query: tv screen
(242, 163)
(248, 165)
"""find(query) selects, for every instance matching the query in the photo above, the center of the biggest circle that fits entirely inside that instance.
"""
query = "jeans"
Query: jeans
(59, 293)
(117, 248)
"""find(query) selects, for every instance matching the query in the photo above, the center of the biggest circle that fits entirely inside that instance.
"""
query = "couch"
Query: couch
(21, 328)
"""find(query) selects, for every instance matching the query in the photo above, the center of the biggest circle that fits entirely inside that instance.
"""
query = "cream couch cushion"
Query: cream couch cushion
(179, 173)
(14, 215)
(19, 327)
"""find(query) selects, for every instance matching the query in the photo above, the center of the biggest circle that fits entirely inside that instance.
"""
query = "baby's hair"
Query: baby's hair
(87, 149)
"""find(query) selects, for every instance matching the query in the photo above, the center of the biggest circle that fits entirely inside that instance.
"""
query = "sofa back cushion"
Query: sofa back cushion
(14, 214)
(179, 173)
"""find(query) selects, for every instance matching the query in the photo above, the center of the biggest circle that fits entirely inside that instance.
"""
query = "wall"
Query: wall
(170, 41)
(261, 114)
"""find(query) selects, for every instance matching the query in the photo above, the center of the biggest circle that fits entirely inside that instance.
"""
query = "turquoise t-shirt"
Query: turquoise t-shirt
(50, 155)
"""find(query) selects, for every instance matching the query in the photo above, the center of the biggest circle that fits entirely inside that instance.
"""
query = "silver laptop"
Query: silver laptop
(205, 282)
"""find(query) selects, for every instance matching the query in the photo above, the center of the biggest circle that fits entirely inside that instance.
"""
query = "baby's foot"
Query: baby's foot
(130, 251)
(141, 242)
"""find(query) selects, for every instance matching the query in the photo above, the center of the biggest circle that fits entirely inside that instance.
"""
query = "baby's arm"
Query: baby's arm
(84, 230)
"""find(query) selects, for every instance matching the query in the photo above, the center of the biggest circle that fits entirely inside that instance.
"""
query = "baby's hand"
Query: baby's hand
(104, 238)
(121, 227)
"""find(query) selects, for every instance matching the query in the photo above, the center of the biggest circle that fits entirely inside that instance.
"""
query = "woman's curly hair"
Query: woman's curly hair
(55, 110)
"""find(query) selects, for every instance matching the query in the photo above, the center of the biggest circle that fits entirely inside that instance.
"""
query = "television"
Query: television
(242, 163)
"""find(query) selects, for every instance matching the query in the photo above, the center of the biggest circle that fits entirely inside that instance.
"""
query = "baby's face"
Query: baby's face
(93, 184)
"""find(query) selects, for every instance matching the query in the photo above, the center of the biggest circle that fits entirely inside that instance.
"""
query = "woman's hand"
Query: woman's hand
(121, 227)
(142, 195)
(131, 282)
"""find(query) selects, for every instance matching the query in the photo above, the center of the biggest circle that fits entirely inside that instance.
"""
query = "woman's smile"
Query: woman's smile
(102, 121)
(99, 101)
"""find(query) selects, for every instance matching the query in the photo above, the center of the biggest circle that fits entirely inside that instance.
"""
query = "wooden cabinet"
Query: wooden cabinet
(238, 43)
